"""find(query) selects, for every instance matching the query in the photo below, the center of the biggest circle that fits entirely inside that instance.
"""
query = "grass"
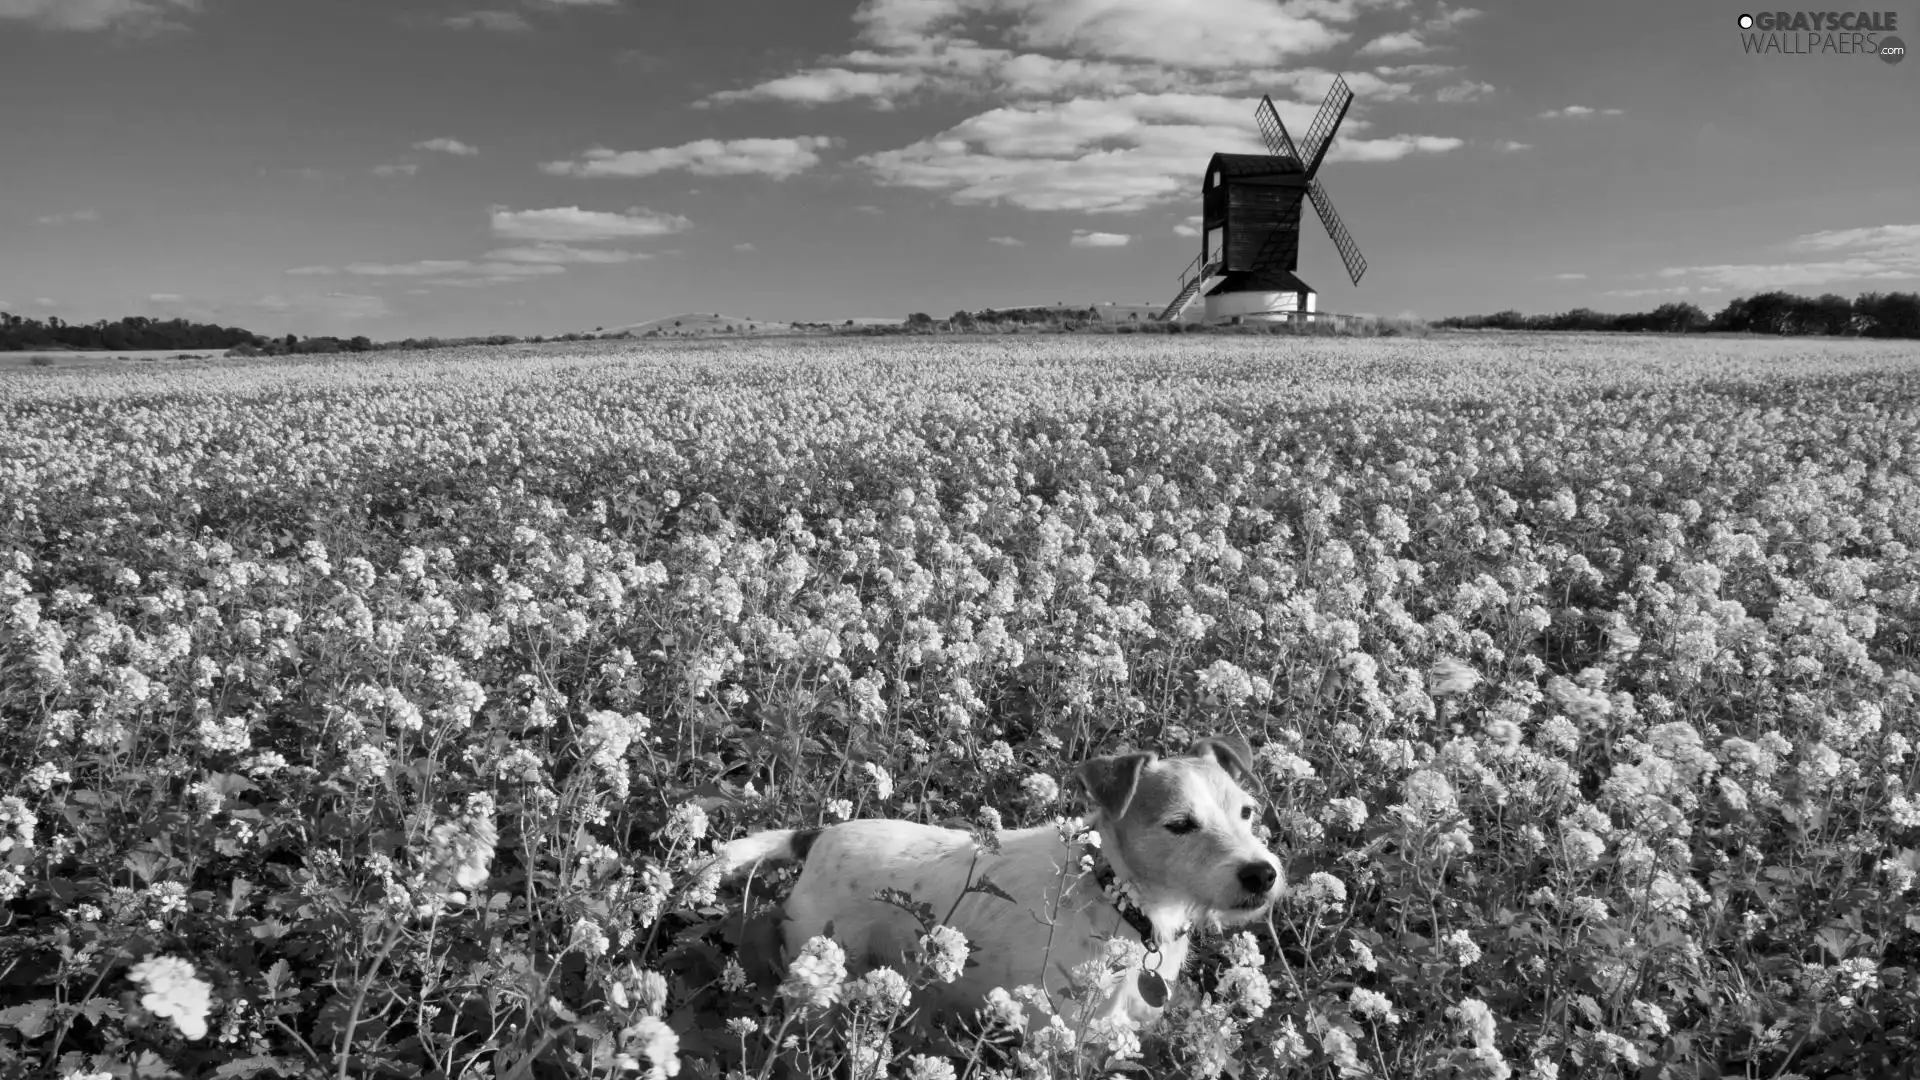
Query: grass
(374, 717)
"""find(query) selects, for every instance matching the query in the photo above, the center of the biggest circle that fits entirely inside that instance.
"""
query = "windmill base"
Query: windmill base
(1256, 305)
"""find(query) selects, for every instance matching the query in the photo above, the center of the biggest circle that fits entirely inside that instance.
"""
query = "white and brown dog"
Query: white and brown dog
(1179, 830)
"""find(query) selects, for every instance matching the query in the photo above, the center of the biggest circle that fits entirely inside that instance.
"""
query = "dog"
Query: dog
(1179, 830)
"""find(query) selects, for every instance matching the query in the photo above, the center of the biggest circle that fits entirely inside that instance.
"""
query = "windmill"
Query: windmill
(1250, 221)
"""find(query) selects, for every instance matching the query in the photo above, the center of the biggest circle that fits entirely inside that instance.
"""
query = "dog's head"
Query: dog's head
(1184, 826)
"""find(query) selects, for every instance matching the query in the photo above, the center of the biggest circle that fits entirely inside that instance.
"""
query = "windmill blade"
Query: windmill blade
(1325, 123)
(1342, 239)
(1279, 143)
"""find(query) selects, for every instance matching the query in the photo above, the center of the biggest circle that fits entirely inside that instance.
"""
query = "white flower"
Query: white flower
(882, 781)
(923, 1067)
(839, 809)
(688, 822)
(659, 1044)
(1476, 1019)
(1450, 677)
(1463, 947)
(175, 992)
(944, 951)
(814, 978)
(1372, 1005)
(1040, 788)
(883, 990)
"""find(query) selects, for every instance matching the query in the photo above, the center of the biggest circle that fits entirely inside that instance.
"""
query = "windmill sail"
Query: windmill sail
(1325, 123)
(1342, 239)
(1279, 143)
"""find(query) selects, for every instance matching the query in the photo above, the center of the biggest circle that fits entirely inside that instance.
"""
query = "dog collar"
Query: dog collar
(1125, 898)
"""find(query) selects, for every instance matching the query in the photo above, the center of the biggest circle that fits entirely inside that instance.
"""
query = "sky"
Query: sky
(457, 167)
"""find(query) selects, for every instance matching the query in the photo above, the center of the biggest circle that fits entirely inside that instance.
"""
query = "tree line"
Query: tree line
(1888, 315)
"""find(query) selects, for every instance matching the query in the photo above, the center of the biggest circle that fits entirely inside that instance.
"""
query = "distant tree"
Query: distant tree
(1826, 314)
(1677, 319)
(920, 320)
(292, 341)
(360, 343)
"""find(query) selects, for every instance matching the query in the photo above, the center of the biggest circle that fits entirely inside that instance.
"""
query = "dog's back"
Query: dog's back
(1035, 937)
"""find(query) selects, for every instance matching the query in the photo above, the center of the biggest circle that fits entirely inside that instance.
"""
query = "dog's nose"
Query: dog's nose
(1257, 877)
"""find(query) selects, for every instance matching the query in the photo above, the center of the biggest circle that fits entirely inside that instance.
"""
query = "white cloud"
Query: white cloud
(1464, 90)
(445, 145)
(1511, 145)
(346, 307)
(1678, 290)
(1189, 227)
(46, 301)
(1416, 71)
(1570, 277)
(1008, 241)
(748, 246)
(570, 224)
(82, 15)
(1394, 44)
(1197, 33)
(1117, 154)
(1392, 148)
(1084, 239)
(556, 254)
(1870, 237)
(165, 298)
(1871, 254)
(1577, 111)
(405, 168)
(500, 22)
(71, 218)
(821, 86)
(777, 158)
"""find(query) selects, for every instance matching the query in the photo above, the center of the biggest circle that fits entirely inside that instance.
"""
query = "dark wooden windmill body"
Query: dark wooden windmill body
(1251, 205)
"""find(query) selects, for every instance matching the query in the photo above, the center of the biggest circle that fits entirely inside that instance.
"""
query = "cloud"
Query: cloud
(556, 254)
(406, 168)
(445, 145)
(136, 16)
(346, 307)
(500, 22)
(46, 301)
(1084, 239)
(1007, 241)
(748, 246)
(822, 86)
(1577, 111)
(1511, 145)
(1870, 237)
(868, 208)
(165, 298)
(1570, 277)
(1117, 154)
(777, 158)
(71, 218)
(1416, 71)
(1678, 290)
(1189, 227)
(1465, 90)
(570, 224)
(1393, 44)
(1877, 253)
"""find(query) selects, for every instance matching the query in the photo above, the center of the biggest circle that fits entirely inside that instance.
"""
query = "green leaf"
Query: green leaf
(986, 885)
(254, 1066)
(30, 1019)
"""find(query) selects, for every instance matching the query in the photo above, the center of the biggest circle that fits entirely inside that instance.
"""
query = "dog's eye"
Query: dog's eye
(1246, 813)
(1180, 826)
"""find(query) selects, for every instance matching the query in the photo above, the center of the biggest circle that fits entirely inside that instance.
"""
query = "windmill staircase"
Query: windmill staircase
(1192, 280)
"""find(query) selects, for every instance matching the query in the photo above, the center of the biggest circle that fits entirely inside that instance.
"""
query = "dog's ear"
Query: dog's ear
(1111, 781)
(1232, 752)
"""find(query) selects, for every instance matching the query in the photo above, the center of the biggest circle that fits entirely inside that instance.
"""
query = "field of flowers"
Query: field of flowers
(372, 717)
